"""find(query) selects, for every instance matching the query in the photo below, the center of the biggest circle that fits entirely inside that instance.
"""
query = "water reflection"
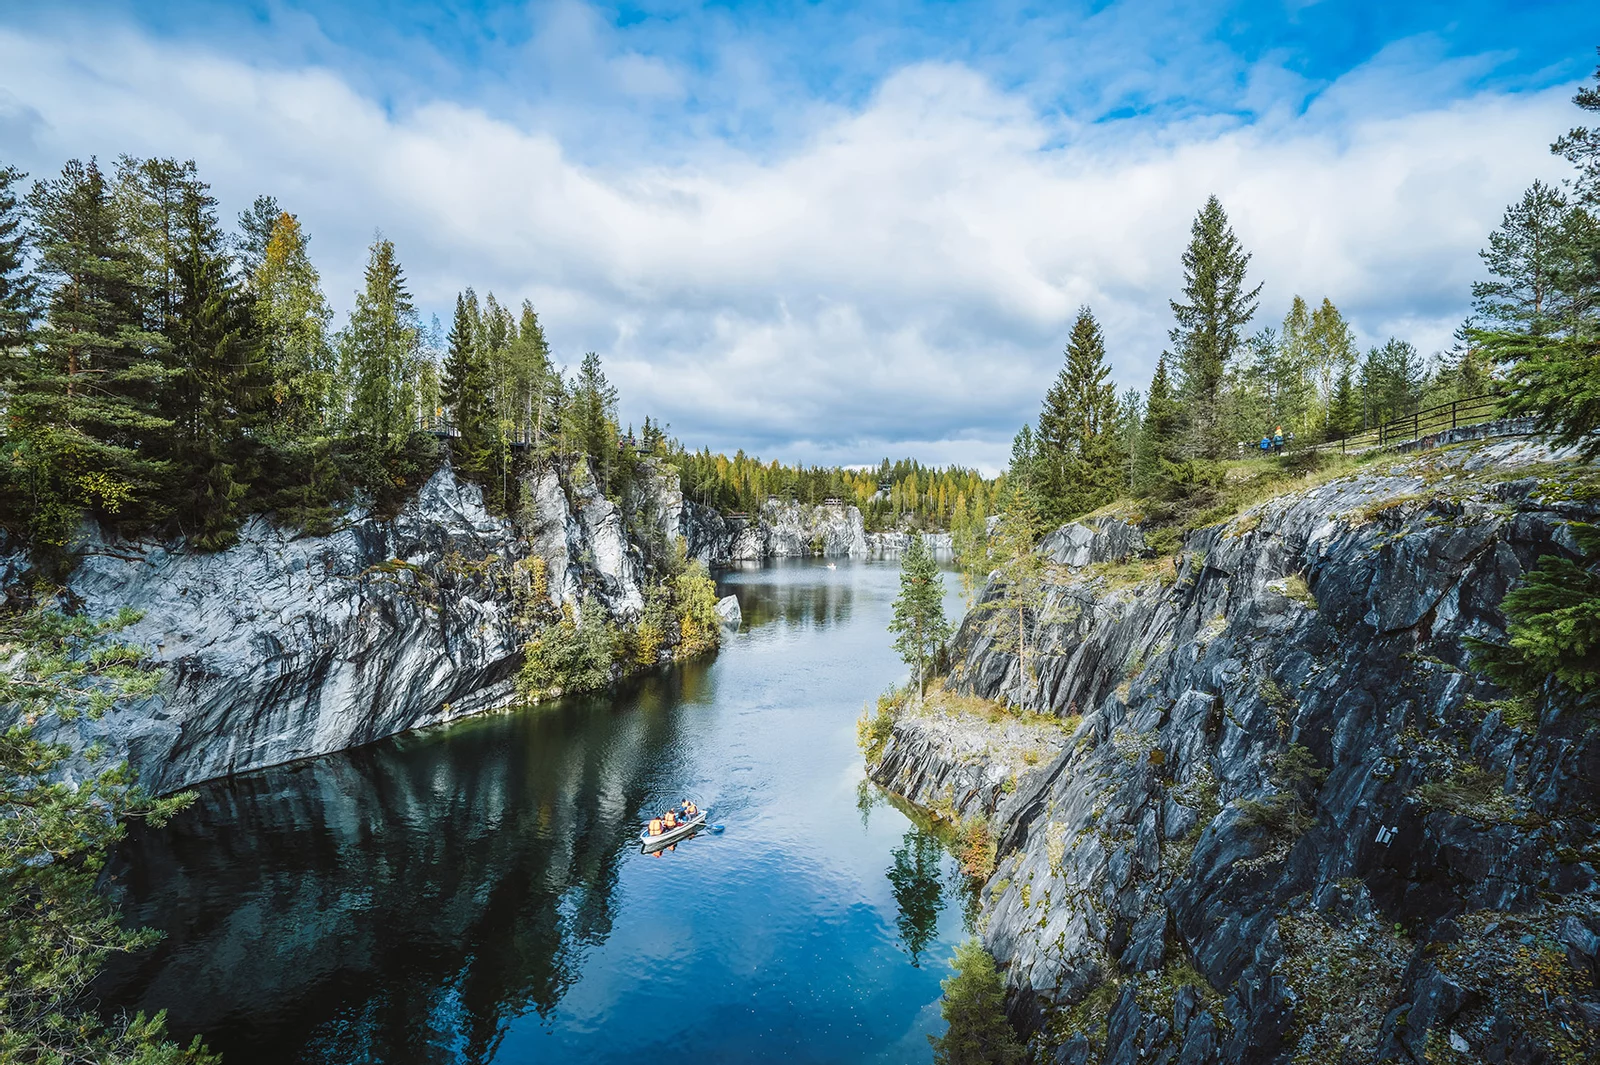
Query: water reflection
(402, 897)
(918, 879)
(478, 894)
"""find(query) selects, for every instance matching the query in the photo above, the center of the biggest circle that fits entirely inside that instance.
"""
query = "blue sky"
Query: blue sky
(829, 232)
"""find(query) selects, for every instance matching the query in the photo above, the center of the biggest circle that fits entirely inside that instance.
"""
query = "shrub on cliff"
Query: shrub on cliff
(974, 1008)
(1553, 639)
(573, 655)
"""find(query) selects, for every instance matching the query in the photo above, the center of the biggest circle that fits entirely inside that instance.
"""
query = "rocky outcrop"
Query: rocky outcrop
(895, 544)
(779, 530)
(287, 646)
(1293, 821)
(962, 763)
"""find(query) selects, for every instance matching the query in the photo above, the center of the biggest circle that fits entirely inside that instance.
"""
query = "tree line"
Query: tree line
(159, 372)
(892, 495)
(1218, 388)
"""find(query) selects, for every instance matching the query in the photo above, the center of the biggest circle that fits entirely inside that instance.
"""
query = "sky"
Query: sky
(830, 233)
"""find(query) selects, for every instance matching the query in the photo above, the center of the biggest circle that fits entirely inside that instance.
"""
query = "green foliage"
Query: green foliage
(574, 655)
(1210, 321)
(875, 726)
(916, 880)
(1078, 456)
(919, 623)
(83, 396)
(695, 599)
(378, 352)
(466, 393)
(56, 930)
(974, 1008)
(1553, 637)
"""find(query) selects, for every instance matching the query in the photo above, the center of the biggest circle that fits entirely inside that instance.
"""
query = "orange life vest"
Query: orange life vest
(655, 826)
(670, 821)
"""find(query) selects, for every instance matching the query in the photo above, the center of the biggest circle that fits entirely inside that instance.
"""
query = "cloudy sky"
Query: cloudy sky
(833, 232)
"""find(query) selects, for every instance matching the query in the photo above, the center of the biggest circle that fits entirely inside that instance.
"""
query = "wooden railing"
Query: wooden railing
(1425, 422)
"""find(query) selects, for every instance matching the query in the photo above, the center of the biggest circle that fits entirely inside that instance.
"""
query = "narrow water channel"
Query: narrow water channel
(476, 893)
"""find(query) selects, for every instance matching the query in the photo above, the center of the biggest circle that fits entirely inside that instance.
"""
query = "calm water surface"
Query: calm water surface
(476, 893)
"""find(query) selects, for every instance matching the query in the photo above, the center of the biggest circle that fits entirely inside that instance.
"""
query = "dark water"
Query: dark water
(476, 893)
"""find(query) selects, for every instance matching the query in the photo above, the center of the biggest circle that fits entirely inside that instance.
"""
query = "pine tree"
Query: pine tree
(1581, 147)
(1525, 256)
(83, 408)
(219, 382)
(919, 624)
(294, 316)
(1077, 443)
(378, 349)
(1210, 323)
(1160, 439)
(465, 391)
(974, 1008)
(257, 227)
(1021, 591)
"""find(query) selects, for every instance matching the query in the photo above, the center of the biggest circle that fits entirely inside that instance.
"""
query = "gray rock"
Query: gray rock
(1335, 619)
(728, 611)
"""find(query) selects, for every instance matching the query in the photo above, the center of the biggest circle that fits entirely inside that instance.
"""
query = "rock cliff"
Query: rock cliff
(1288, 820)
(778, 530)
(287, 646)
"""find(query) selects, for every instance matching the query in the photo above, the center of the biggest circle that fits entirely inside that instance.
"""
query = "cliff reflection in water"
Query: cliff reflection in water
(402, 902)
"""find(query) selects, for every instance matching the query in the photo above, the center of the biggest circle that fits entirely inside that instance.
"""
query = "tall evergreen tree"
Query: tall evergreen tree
(378, 349)
(1210, 321)
(18, 287)
(974, 1007)
(1078, 455)
(83, 408)
(1581, 147)
(465, 390)
(220, 379)
(1161, 438)
(919, 624)
(593, 416)
(1344, 411)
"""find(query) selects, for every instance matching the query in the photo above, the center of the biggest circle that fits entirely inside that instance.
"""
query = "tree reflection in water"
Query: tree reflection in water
(917, 875)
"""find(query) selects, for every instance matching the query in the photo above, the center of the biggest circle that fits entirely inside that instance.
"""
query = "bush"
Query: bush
(873, 729)
(974, 1009)
(573, 655)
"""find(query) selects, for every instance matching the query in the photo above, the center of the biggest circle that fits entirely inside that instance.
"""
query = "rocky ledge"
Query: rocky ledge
(1292, 822)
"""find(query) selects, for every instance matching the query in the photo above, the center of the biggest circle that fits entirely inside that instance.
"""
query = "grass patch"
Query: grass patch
(1470, 791)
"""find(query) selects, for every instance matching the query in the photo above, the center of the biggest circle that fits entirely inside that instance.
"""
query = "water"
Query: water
(476, 893)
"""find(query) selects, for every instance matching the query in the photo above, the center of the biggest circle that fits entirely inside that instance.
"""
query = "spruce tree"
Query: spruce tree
(919, 624)
(378, 349)
(1525, 258)
(465, 390)
(18, 287)
(1077, 443)
(1160, 438)
(84, 408)
(219, 380)
(593, 416)
(1344, 412)
(1210, 321)
(974, 1008)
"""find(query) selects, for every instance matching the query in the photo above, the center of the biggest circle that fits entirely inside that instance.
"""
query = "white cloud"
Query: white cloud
(901, 280)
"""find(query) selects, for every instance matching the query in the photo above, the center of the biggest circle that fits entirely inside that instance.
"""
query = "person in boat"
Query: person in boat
(655, 826)
(689, 810)
(669, 820)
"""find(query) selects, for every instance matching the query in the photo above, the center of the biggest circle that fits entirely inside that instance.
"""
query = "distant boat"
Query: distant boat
(832, 566)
